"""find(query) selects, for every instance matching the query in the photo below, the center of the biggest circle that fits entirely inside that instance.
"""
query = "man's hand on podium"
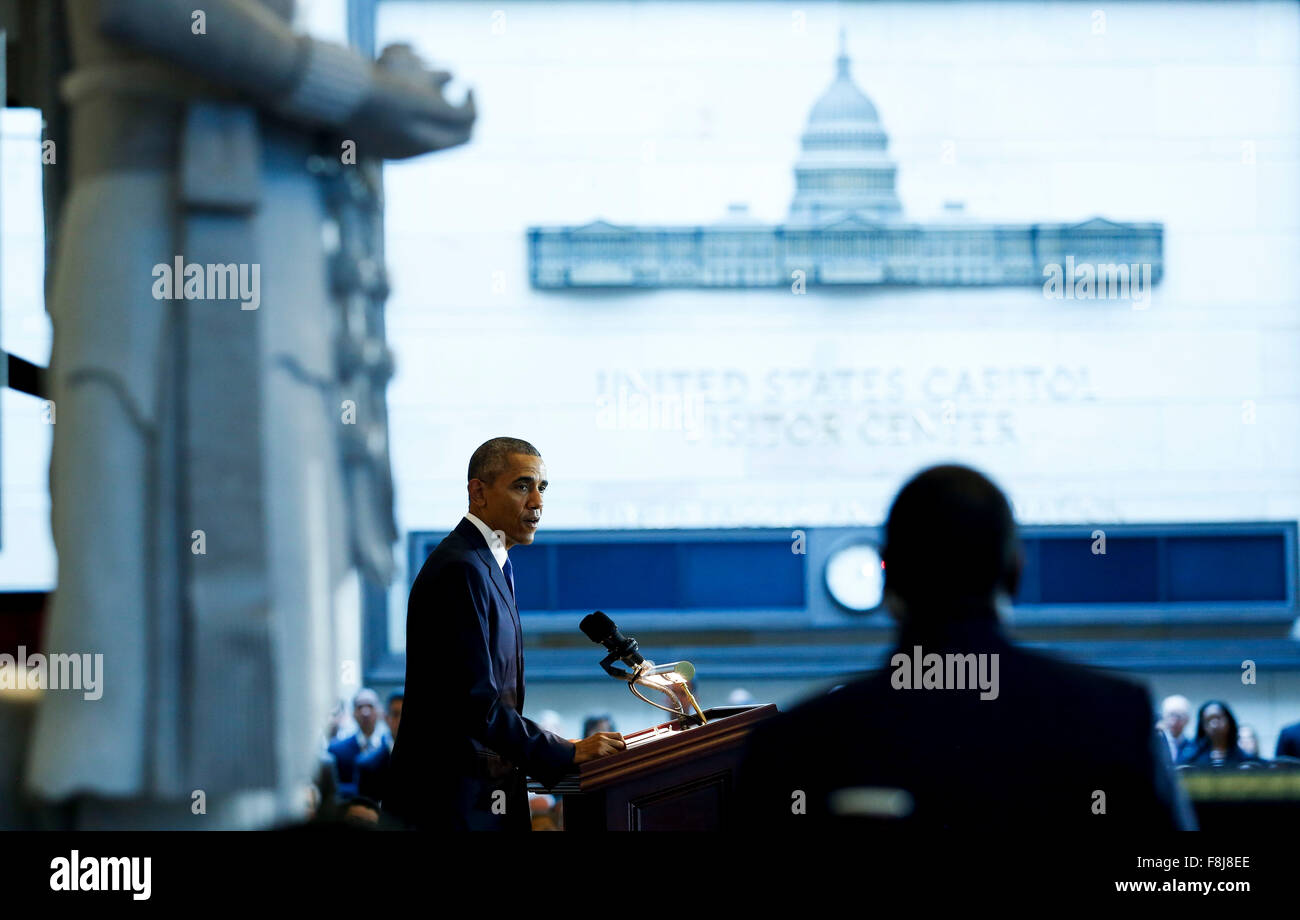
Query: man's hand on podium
(600, 744)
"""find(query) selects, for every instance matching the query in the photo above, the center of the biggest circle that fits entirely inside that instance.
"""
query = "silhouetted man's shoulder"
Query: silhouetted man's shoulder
(1025, 737)
(1025, 678)
(782, 753)
(1058, 677)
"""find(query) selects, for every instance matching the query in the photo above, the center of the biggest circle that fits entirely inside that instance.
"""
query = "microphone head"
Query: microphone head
(597, 627)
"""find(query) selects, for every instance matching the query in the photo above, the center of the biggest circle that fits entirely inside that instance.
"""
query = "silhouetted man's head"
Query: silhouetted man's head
(950, 543)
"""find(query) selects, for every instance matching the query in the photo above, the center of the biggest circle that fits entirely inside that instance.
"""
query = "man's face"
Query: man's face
(1176, 720)
(394, 716)
(512, 502)
(366, 716)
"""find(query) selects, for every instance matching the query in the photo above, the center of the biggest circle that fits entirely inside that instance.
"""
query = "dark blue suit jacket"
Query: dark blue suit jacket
(1198, 755)
(464, 747)
(372, 773)
(1288, 741)
(345, 753)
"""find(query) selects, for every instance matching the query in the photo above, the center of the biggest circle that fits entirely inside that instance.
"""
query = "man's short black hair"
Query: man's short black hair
(395, 697)
(490, 458)
(950, 538)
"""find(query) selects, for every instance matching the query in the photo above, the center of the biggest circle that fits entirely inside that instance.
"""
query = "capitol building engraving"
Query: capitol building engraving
(845, 227)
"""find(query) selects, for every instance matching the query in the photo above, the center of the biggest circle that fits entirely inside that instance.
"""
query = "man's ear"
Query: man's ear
(475, 490)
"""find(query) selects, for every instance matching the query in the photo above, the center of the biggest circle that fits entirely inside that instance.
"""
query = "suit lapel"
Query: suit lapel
(498, 578)
(471, 534)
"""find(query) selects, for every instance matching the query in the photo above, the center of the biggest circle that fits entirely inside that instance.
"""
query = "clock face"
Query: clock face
(854, 577)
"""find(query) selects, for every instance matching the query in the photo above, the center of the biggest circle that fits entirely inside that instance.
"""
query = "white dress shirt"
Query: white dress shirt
(1177, 744)
(376, 738)
(496, 540)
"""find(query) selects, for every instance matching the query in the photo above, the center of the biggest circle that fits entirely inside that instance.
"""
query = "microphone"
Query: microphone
(669, 679)
(600, 629)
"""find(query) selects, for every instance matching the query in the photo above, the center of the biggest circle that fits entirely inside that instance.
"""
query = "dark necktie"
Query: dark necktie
(510, 576)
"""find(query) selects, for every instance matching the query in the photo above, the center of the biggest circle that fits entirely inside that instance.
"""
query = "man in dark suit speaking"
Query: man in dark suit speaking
(963, 729)
(464, 750)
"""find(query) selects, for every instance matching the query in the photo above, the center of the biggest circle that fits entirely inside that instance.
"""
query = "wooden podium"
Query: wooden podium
(670, 778)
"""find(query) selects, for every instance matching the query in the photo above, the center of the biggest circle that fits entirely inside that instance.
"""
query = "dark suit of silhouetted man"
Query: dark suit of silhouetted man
(464, 749)
(1046, 745)
(1288, 741)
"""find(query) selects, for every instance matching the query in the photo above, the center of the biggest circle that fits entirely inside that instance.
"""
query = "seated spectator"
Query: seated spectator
(1248, 741)
(1175, 714)
(966, 749)
(336, 725)
(327, 787)
(543, 812)
(1216, 739)
(361, 812)
(550, 720)
(598, 723)
(368, 737)
(372, 768)
(1288, 741)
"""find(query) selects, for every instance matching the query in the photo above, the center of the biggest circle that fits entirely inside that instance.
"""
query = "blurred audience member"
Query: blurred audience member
(1216, 738)
(1248, 741)
(543, 812)
(739, 697)
(336, 725)
(1288, 741)
(368, 737)
(984, 753)
(1175, 714)
(311, 801)
(597, 723)
(551, 720)
(372, 767)
(327, 785)
(361, 812)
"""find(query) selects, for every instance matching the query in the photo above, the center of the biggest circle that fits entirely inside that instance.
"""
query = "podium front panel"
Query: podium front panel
(671, 777)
